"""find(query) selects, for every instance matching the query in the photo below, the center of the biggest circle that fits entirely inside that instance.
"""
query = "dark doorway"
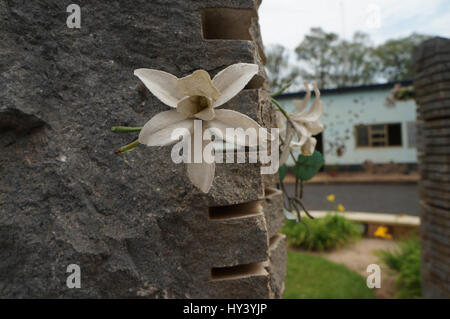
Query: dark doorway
(319, 147)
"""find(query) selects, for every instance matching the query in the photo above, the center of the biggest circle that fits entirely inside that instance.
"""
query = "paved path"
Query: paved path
(384, 198)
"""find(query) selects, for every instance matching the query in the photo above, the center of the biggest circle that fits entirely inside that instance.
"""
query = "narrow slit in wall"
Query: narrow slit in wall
(274, 239)
(239, 271)
(235, 211)
(227, 23)
(271, 191)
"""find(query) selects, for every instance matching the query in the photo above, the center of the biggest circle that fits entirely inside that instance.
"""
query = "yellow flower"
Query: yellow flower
(340, 208)
(382, 231)
(330, 198)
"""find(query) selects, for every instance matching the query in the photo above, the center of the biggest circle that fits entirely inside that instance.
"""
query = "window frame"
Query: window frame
(370, 138)
(408, 134)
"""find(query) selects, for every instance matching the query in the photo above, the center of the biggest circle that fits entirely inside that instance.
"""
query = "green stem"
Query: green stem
(125, 129)
(128, 148)
(284, 88)
(301, 189)
(303, 206)
(282, 110)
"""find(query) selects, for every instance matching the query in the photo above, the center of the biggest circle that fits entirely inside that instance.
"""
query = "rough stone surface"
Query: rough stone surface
(277, 268)
(432, 65)
(134, 223)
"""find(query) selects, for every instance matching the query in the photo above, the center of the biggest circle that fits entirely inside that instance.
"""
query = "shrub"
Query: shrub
(406, 262)
(321, 234)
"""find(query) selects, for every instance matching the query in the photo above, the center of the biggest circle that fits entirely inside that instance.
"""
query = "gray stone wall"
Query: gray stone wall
(432, 87)
(134, 223)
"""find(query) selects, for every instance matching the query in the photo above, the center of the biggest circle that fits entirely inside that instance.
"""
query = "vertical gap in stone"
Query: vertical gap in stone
(235, 211)
(239, 271)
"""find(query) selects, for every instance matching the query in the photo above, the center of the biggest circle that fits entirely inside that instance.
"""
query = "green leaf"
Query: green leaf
(307, 166)
(282, 172)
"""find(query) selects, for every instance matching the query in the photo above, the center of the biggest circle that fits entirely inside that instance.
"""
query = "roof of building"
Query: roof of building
(347, 89)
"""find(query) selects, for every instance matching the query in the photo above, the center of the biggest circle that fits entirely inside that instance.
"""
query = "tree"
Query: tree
(394, 57)
(279, 71)
(316, 50)
(353, 63)
(333, 62)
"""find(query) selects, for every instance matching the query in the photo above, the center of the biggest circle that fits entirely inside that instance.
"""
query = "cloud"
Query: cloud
(287, 21)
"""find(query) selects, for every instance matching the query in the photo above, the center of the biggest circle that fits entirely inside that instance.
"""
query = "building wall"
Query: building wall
(343, 111)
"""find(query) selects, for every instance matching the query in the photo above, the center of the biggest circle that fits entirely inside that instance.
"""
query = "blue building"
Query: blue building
(361, 126)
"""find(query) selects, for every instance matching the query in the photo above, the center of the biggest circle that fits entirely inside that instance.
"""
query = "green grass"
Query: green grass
(315, 277)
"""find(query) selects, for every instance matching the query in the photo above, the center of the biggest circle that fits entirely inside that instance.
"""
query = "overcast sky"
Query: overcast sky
(287, 21)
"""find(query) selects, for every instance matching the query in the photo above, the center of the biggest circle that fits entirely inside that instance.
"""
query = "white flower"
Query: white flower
(306, 124)
(196, 96)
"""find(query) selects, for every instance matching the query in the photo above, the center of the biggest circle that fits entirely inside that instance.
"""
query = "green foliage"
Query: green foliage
(354, 61)
(316, 50)
(279, 70)
(307, 166)
(334, 62)
(394, 57)
(406, 262)
(315, 277)
(282, 172)
(320, 234)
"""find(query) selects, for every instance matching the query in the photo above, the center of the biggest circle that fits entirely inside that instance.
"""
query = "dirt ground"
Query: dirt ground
(358, 256)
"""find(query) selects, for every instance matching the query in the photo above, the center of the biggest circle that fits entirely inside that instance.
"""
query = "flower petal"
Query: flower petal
(231, 119)
(314, 127)
(285, 150)
(309, 146)
(302, 132)
(198, 83)
(163, 85)
(158, 131)
(201, 175)
(315, 111)
(231, 80)
(206, 114)
(300, 105)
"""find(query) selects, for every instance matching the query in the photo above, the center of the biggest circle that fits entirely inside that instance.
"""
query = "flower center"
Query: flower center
(196, 104)
(201, 103)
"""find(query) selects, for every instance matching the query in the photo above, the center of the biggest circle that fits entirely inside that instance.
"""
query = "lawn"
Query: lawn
(315, 277)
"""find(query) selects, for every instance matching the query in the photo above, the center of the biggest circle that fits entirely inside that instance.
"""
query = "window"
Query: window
(379, 135)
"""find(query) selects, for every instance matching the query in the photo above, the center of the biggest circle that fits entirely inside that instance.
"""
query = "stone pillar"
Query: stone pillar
(432, 87)
(133, 223)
